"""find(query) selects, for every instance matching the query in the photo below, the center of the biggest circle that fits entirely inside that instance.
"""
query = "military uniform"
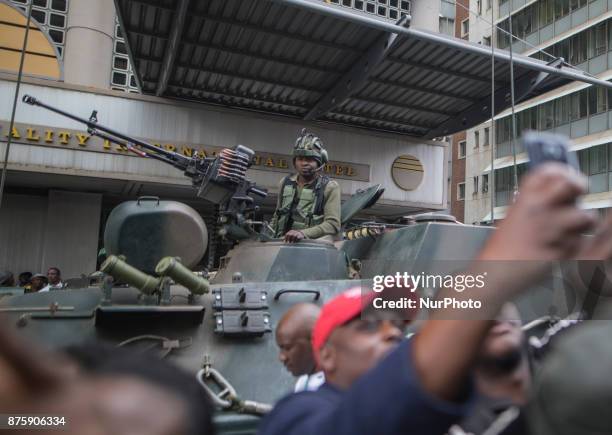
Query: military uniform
(313, 208)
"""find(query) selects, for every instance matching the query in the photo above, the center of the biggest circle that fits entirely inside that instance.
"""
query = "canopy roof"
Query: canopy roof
(311, 60)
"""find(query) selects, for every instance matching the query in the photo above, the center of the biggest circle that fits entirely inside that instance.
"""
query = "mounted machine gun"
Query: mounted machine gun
(220, 180)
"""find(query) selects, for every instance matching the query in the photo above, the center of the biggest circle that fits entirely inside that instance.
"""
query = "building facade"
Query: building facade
(62, 183)
(578, 31)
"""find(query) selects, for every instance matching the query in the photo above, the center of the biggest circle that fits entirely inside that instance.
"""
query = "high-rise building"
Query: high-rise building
(575, 31)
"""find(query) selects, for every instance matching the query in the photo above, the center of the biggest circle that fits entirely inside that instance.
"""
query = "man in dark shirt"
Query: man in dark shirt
(374, 386)
(502, 378)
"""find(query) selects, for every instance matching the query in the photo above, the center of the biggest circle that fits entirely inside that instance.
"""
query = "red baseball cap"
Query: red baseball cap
(337, 312)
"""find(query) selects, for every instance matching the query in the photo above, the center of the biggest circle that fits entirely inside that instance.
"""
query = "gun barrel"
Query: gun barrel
(171, 157)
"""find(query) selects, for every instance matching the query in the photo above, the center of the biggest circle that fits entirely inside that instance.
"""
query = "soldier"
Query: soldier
(308, 205)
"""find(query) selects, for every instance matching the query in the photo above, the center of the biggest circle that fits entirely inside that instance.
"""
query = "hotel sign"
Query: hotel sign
(80, 140)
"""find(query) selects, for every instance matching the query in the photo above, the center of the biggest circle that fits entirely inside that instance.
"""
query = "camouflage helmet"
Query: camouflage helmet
(309, 145)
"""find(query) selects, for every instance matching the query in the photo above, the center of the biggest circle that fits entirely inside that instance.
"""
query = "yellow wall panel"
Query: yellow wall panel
(41, 58)
(33, 64)
(11, 15)
(12, 37)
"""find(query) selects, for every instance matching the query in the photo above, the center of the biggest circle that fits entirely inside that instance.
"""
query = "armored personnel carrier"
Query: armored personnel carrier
(221, 329)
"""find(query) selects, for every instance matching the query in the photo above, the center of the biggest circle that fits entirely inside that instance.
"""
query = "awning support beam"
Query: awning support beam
(357, 76)
(173, 46)
(425, 90)
(480, 111)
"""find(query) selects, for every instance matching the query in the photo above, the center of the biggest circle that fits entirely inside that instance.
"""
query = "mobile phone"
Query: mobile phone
(548, 147)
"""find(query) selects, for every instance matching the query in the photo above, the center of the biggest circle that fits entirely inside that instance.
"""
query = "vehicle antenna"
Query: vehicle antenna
(19, 76)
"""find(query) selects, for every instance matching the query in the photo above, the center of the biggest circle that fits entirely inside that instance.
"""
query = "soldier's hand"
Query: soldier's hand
(293, 236)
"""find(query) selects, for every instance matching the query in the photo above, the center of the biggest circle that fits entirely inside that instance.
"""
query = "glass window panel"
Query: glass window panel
(584, 103)
(57, 20)
(59, 5)
(39, 16)
(598, 159)
(578, 48)
(597, 100)
(546, 115)
(119, 78)
(598, 183)
(120, 47)
(601, 38)
(57, 36)
(120, 63)
(575, 106)
(40, 3)
(583, 161)
(485, 183)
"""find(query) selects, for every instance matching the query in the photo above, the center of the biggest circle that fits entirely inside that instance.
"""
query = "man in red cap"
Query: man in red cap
(377, 383)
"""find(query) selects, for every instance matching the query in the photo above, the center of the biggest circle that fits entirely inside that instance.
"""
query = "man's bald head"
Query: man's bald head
(293, 338)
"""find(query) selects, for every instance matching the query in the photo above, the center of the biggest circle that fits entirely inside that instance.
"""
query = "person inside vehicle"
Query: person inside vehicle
(308, 205)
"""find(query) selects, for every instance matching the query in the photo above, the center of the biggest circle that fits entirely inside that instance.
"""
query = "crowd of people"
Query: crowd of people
(456, 375)
(356, 370)
(32, 283)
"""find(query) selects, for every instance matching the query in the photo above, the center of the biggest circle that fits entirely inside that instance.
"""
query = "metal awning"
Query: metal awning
(310, 60)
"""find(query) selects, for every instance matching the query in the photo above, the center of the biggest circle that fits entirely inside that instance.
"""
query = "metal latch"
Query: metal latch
(242, 323)
(239, 298)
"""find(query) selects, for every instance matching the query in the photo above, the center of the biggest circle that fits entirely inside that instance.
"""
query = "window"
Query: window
(578, 48)
(461, 151)
(475, 191)
(391, 9)
(479, 6)
(485, 138)
(578, 105)
(486, 40)
(597, 40)
(476, 139)
(51, 16)
(561, 8)
(485, 183)
(503, 39)
(546, 116)
(577, 4)
(447, 26)
(465, 27)
(562, 110)
(597, 100)
(460, 191)
(122, 74)
(546, 12)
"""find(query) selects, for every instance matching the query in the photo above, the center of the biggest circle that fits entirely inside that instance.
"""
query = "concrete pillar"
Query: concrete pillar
(89, 43)
(72, 230)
